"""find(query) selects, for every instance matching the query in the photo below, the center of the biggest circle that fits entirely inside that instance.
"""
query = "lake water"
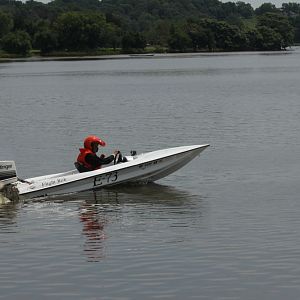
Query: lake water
(226, 226)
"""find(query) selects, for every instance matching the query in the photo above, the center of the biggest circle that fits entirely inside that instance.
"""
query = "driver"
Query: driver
(87, 159)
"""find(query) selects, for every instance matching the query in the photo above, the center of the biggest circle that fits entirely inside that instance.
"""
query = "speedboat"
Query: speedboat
(141, 168)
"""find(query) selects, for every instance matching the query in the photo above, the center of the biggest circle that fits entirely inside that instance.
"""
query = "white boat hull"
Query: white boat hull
(142, 168)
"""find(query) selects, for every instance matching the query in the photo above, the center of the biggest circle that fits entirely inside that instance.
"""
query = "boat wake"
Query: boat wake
(3, 199)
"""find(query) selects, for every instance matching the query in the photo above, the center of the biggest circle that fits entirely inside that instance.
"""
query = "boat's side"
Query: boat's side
(147, 167)
(51, 176)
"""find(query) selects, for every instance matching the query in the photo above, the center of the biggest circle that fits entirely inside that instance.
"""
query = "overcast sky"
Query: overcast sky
(254, 3)
(257, 3)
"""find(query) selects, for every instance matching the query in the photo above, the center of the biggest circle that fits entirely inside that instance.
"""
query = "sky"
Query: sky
(257, 3)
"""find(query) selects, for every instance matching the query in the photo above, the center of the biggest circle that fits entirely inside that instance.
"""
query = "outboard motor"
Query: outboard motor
(8, 173)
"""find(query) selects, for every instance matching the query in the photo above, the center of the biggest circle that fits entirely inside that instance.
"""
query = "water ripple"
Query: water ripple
(225, 227)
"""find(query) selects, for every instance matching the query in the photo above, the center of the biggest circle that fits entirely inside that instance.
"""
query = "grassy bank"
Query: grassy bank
(99, 52)
(36, 55)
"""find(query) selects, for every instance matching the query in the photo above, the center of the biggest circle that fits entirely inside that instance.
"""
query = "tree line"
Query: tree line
(131, 26)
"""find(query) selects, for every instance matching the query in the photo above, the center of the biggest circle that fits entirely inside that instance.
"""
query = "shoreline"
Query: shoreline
(37, 58)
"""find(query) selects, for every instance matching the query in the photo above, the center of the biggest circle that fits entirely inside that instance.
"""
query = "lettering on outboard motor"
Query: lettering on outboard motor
(6, 167)
(7, 171)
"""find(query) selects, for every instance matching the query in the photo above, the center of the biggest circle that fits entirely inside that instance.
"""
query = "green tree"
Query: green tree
(46, 40)
(159, 33)
(112, 36)
(17, 43)
(179, 41)
(254, 39)
(265, 8)
(291, 9)
(245, 10)
(6, 23)
(133, 40)
(271, 40)
(297, 29)
(79, 31)
(77, 25)
(280, 24)
(199, 36)
(227, 37)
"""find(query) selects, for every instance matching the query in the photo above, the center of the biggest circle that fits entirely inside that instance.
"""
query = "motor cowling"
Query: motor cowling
(8, 173)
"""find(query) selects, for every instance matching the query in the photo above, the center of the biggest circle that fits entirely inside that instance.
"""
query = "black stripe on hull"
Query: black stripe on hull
(4, 177)
(7, 173)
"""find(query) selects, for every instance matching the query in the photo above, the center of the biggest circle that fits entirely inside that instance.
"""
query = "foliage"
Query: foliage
(266, 8)
(78, 31)
(201, 37)
(297, 28)
(179, 25)
(291, 9)
(6, 23)
(133, 41)
(280, 25)
(245, 10)
(271, 40)
(179, 40)
(45, 40)
(17, 43)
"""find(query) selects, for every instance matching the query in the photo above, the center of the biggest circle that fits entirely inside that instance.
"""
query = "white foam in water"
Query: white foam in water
(3, 200)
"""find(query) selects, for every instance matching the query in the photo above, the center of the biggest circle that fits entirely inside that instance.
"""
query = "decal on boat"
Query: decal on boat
(150, 163)
(54, 182)
(106, 178)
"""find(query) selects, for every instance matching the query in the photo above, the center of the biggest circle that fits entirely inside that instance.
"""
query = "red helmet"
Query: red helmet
(92, 139)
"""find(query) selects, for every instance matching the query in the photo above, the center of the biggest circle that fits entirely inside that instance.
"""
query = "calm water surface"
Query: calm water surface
(226, 226)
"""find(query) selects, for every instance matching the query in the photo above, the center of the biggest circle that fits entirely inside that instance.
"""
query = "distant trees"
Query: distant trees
(17, 43)
(272, 31)
(296, 23)
(245, 10)
(78, 31)
(46, 40)
(269, 39)
(266, 8)
(179, 39)
(278, 27)
(132, 41)
(201, 37)
(6, 23)
(127, 25)
(291, 9)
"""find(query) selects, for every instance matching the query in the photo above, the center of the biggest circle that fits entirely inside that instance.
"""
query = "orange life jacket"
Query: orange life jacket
(81, 158)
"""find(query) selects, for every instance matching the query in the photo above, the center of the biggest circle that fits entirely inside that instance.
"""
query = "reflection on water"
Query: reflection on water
(231, 231)
(152, 193)
(100, 209)
(93, 221)
(144, 193)
(99, 212)
(8, 214)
